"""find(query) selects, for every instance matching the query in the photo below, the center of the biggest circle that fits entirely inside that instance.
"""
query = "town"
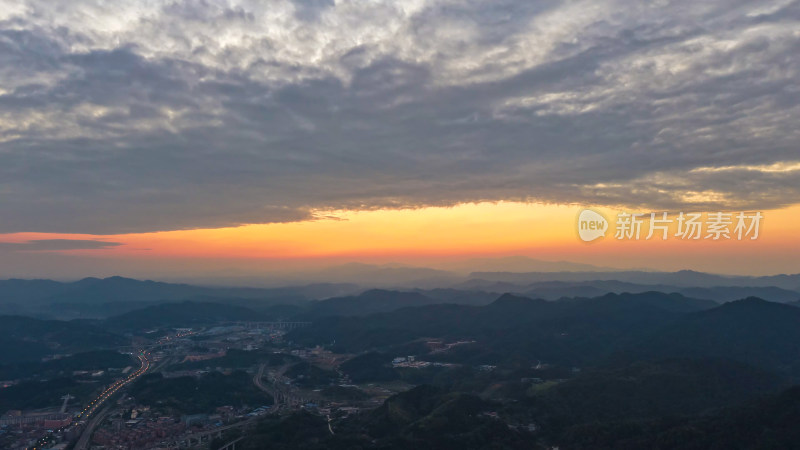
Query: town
(260, 373)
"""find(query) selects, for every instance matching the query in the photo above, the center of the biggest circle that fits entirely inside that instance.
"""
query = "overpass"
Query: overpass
(195, 439)
(271, 325)
(280, 395)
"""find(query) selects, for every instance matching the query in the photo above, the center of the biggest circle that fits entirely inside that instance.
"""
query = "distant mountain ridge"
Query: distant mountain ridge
(522, 264)
(554, 290)
(382, 300)
(553, 286)
(83, 296)
(100, 298)
(682, 278)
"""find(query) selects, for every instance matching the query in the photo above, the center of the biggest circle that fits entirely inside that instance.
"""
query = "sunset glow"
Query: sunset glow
(438, 234)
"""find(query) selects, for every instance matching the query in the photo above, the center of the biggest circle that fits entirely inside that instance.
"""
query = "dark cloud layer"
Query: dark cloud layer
(50, 245)
(211, 114)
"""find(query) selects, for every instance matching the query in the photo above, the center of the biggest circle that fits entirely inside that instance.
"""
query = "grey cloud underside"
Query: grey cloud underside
(56, 245)
(607, 105)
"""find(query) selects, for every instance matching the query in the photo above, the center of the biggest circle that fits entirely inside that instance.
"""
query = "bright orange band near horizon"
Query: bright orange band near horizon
(477, 229)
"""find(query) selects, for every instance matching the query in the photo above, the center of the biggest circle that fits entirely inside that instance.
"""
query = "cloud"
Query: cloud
(173, 115)
(54, 245)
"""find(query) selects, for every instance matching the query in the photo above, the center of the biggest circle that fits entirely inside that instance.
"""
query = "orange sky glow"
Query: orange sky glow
(435, 234)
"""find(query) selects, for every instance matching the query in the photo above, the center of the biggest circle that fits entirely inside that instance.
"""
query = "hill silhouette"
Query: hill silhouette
(751, 330)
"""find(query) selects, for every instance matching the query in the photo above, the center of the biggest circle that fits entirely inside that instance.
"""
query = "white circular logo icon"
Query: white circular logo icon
(591, 225)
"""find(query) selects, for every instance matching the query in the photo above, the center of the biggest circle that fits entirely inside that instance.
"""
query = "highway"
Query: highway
(258, 381)
(282, 396)
(90, 408)
(83, 441)
(111, 390)
(99, 400)
(186, 441)
(86, 435)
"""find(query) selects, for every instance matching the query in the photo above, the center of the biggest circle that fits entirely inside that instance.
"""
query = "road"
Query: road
(111, 390)
(87, 411)
(83, 441)
(276, 392)
(186, 440)
(258, 380)
(90, 408)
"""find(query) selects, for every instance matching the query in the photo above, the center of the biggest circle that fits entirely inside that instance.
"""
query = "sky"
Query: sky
(151, 138)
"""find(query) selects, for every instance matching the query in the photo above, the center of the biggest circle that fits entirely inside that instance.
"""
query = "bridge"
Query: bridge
(280, 395)
(195, 439)
(271, 325)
